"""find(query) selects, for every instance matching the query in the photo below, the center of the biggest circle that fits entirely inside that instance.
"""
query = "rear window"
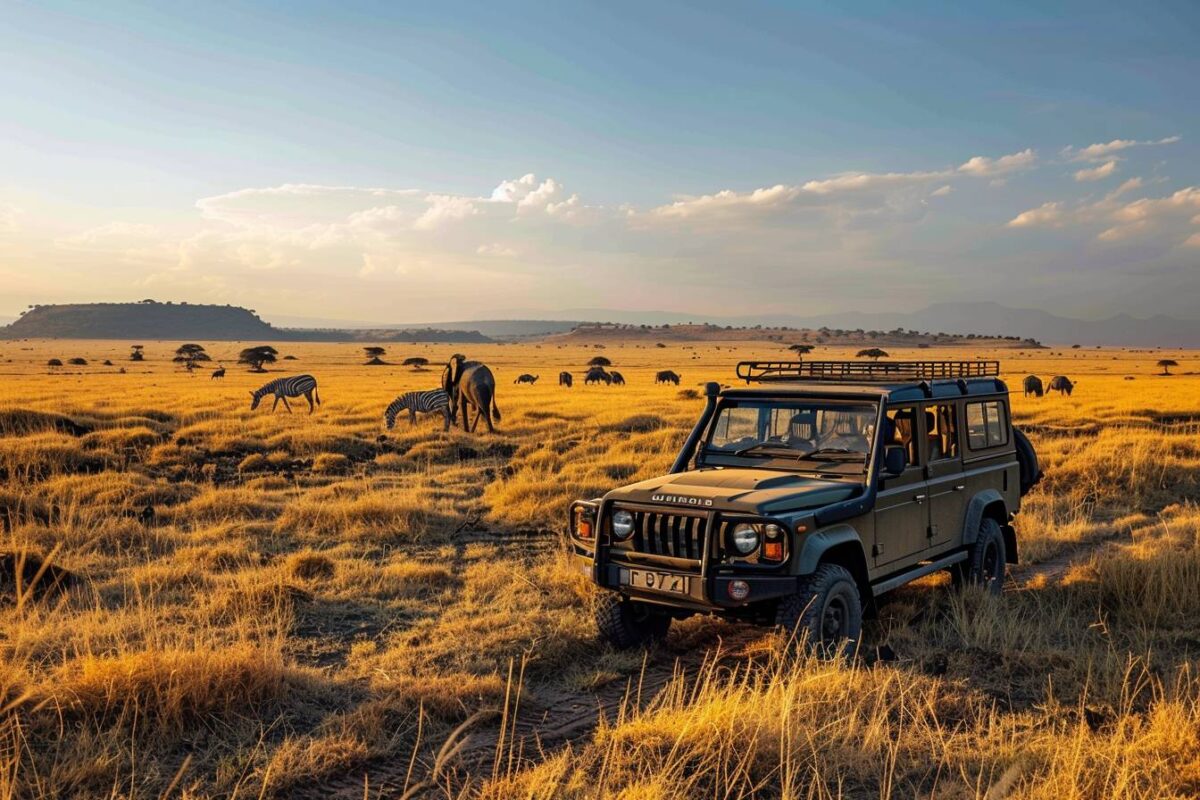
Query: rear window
(987, 425)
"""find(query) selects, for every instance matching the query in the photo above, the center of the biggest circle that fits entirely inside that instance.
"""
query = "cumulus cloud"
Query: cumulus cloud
(727, 202)
(1045, 215)
(983, 167)
(1096, 173)
(445, 208)
(1105, 150)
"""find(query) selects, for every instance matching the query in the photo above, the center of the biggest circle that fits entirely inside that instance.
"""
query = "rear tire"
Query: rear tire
(985, 562)
(626, 624)
(826, 612)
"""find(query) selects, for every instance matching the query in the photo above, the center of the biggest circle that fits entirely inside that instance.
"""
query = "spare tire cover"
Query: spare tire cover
(1027, 460)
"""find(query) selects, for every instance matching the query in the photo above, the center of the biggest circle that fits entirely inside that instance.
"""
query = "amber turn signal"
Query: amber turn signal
(773, 551)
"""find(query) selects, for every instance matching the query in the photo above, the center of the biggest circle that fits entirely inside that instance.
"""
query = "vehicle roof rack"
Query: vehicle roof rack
(865, 371)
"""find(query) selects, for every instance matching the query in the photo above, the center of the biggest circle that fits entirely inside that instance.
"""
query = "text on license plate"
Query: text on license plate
(656, 581)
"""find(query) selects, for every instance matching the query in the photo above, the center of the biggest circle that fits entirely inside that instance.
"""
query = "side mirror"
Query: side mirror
(894, 459)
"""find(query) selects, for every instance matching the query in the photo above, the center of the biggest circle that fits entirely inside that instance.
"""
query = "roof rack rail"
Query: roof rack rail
(854, 371)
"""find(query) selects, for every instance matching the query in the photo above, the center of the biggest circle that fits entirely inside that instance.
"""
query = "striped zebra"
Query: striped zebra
(425, 402)
(283, 388)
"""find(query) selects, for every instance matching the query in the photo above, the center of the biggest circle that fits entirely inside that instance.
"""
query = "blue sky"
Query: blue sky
(349, 160)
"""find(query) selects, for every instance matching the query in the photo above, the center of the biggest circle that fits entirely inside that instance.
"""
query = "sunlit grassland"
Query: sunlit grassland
(310, 599)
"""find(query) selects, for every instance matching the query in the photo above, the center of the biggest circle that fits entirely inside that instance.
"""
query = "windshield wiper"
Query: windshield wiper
(834, 451)
(741, 451)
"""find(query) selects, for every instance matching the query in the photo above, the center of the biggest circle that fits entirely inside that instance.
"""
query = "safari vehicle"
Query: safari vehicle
(803, 497)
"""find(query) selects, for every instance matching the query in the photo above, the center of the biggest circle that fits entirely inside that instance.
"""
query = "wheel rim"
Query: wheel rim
(991, 564)
(833, 620)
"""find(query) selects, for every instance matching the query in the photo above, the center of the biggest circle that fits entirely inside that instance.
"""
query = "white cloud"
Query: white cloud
(444, 208)
(727, 202)
(983, 167)
(1096, 173)
(496, 250)
(942, 191)
(1105, 150)
(1045, 215)
(1127, 186)
(864, 181)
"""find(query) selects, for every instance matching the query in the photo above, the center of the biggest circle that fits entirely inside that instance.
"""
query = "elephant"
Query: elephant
(527, 378)
(471, 385)
(1033, 386)
(667, 376)
(1061, 384)
(617, 378)
(597, 375)
(565, 379)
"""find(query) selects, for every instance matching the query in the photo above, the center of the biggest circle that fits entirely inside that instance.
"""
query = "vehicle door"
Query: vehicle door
(901, 507)
(944, 473)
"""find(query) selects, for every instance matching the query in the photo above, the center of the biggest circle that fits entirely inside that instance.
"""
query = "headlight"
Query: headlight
(745, 539)
(622, 524)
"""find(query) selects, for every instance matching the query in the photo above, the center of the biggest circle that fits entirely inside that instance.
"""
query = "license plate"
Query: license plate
(667, 582)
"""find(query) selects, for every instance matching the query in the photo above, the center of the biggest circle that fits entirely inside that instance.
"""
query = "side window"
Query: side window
(941, 427)
(987, 424)
(904, 432)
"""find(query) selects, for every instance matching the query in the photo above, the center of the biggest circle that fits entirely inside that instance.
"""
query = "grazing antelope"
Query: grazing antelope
(617, 378)
(1033, 386)
(219, 372)
(283, 388)
(425, 402)
(527, 378)
(667, 376)
(565, 379)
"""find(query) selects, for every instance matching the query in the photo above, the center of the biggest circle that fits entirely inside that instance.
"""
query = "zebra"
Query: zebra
(427, 401)
(283, 388)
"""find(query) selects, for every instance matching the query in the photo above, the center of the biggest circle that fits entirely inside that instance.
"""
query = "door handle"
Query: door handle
(960, 487)
(919, 498)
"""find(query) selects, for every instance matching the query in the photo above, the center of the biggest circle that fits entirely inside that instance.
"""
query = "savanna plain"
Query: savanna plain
(295, 605)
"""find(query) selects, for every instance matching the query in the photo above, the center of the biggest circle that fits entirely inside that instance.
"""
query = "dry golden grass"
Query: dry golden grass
(312, 598)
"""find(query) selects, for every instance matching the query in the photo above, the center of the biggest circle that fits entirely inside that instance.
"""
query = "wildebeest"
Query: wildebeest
(597, 375)
(471, 385)
(667, 376)
(1061, 384)
(1033, 386)
(219, 372)
(527, 378)
(617, 378)
(565, 379)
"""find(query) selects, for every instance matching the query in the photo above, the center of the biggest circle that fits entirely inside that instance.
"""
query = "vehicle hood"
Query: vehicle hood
(749, 491)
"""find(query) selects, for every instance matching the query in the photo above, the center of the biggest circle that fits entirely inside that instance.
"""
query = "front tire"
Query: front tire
(826, 612)
(626, 624)
(985, 562)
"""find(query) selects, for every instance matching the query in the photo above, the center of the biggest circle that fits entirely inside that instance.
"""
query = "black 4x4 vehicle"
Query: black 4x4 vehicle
(807, 495)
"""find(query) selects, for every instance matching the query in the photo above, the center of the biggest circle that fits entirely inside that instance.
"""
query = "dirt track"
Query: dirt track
(549, 718)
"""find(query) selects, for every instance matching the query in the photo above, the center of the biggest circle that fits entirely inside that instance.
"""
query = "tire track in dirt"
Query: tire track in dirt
(547, 719)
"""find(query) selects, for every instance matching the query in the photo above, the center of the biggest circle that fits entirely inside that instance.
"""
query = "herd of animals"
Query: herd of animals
(468, 387)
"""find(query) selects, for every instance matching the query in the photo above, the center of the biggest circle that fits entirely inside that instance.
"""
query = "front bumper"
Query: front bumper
(708, 579)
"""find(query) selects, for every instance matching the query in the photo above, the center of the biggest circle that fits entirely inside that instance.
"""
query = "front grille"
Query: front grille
(674, 535)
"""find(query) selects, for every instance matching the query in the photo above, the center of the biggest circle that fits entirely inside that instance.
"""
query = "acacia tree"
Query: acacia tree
(190, 355)
(416, 362)
(256, 357)
(1166, 363)
(599, 361)
(873, 353)
(373, 355)
(136, 353)
(801, 350)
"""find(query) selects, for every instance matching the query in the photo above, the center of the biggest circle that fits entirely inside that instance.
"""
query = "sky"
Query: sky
(402, 162)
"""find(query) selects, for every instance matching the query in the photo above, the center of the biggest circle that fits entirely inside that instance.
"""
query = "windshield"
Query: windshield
(801, 429)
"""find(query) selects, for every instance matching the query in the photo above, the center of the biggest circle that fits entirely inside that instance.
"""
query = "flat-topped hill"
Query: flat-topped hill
(178, 321)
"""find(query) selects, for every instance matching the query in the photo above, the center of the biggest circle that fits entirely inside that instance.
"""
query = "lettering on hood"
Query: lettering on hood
(682, 500)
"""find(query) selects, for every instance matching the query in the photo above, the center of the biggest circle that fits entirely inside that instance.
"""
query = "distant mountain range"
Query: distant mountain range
(982, 318)
(154, 320)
